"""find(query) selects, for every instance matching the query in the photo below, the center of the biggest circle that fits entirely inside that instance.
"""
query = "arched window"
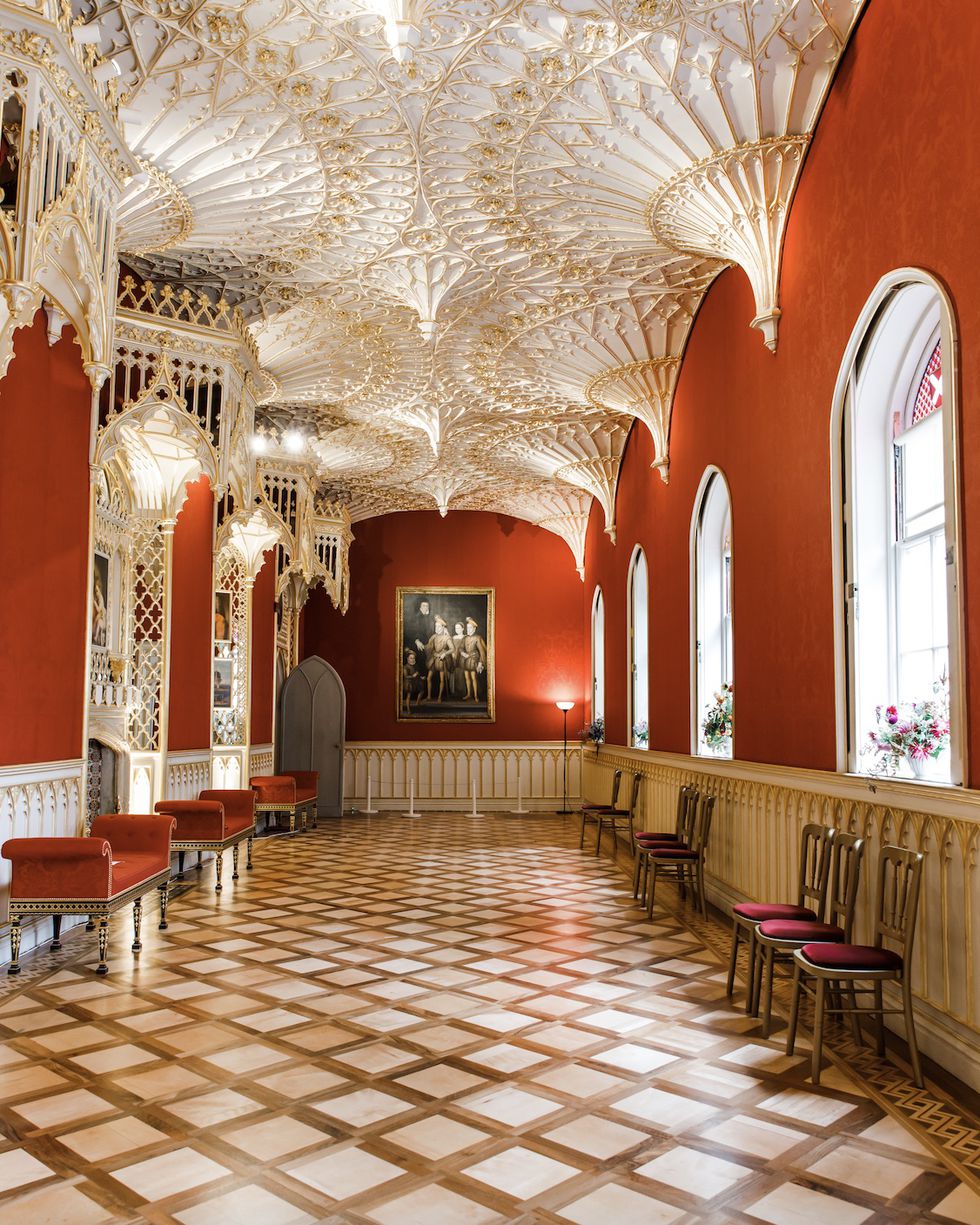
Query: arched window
(638, 631)
(598, 655)
(712, 617)
(897, 538)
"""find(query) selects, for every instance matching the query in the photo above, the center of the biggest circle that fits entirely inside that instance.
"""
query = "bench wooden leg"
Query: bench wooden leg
(137, 923)
(315, 814)
(14, 967)
(180, 864)
(103, 966)
(219, 860)
(164, 899)
(248, 855)
(56, 932)
(292, 822)
(234, 862)
(90, 925)
(200, 861)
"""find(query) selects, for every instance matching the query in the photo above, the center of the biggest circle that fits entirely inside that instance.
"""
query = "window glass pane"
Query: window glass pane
(921, 460)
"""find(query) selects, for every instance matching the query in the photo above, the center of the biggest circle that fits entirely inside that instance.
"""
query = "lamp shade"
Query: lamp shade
(564, 705)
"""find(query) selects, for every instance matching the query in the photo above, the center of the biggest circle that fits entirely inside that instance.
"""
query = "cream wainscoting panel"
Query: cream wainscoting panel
(754, 849)
(188, 774)
(261, 760)
(443, 774)
(38, 801)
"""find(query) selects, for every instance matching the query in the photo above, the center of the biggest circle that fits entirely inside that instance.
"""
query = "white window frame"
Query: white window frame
(633, 677)
(598, 654)
(842, 445)
(697, 604)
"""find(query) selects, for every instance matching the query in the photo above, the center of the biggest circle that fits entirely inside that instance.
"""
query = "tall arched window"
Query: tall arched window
(638, 632)
(896, 462)
(712, 609)
(598, 655)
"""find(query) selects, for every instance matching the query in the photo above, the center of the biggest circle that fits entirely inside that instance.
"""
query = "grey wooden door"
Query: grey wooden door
(311, 724)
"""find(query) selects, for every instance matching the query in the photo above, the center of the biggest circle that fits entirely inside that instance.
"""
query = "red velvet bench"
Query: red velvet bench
(292, 793)
(215, 821)
(124, 858)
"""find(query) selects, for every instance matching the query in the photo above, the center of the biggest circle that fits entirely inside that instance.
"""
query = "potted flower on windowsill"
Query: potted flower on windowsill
(912, 732)
(719, 722)
(641, 735)
(595, 733)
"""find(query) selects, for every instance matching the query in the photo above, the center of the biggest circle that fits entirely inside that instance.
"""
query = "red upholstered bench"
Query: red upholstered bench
(293, 794)
(214, 821)
(124, 858)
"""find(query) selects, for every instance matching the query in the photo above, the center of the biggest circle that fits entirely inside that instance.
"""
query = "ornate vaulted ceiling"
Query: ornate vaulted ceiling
(471, 254)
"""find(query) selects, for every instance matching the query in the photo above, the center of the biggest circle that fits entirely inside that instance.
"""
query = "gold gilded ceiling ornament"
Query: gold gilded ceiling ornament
(733, 206)
(648, 14)
(645, 390)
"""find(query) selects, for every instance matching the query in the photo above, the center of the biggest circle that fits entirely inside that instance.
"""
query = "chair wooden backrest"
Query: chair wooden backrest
(687, 807)
(634, 795)
(702, 827)
(616, 780)
(845, 878)
(897, 903)
(816, 842)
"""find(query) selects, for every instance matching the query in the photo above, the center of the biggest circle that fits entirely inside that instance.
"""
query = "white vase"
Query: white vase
(918, 766)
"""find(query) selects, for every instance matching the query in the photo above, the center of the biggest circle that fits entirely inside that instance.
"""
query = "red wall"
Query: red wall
(263, 650)
(539, 652)
(45, 415)
(191, 626)
(888, 183)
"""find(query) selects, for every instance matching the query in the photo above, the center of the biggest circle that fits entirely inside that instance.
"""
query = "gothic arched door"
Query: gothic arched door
(311, 724)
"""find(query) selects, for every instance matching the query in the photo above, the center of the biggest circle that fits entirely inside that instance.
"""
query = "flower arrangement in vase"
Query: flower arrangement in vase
(718, 723)
(595, 733)
(641, 735)
(912, 732)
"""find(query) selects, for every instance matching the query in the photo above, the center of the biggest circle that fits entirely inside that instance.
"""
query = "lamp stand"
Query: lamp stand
(565, 810)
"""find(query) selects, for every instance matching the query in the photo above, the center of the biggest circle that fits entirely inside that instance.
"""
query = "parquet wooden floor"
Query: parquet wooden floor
(444, 1021)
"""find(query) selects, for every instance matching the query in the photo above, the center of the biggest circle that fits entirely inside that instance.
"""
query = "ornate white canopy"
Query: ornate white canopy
(469, 236)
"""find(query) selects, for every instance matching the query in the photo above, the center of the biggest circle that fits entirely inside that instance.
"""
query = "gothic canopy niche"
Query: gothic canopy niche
(469, 238)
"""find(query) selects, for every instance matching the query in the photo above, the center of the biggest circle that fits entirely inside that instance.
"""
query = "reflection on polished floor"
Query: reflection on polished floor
(440, 1022)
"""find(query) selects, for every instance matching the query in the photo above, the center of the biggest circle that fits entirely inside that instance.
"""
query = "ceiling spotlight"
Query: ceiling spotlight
(87, 34)
(293, 441)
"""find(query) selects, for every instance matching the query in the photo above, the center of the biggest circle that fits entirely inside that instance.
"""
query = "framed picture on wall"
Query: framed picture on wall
(445, 646)
(100, 600)
(222, 683)
(222, 616)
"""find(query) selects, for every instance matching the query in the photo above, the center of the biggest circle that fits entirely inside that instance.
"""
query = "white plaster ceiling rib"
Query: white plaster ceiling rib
(470, 236)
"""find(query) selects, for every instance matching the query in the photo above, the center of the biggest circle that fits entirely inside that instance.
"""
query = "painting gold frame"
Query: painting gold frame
(489, 715)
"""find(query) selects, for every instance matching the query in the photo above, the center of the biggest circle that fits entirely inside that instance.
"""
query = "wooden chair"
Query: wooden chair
(811, 896)
(588, 810)
(685, 864)
(687, 807)
(778, 939)
(896, 912)
(614, 816)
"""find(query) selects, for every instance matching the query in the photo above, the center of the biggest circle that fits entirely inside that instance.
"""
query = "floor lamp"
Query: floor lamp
(564, 707)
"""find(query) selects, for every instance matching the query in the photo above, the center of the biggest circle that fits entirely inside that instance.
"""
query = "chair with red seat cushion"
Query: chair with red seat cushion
(687, 807)
(839, 967)
(614, 816)
(811, 896)
(589, 809)
(276, 796)
(215, 821)
(124, 858)
(684, 864)
(777, 939)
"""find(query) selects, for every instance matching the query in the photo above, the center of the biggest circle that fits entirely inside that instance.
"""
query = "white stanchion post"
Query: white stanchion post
(474, 813)
(520, 810)
(368, 808)
(411, 799)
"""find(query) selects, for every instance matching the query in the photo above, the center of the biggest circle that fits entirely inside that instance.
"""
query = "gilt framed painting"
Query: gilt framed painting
(445, 665)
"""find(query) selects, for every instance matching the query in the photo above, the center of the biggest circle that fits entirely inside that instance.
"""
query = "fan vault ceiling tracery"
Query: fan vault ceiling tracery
(467, 265)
